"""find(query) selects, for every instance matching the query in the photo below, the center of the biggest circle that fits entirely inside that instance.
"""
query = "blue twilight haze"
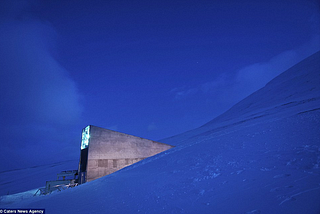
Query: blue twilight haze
(147, 68)
(260, 156)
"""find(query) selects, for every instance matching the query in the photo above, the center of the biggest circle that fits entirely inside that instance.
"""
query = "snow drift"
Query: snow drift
(260, 156)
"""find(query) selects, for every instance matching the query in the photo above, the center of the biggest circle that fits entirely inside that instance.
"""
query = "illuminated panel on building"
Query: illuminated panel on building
(85, 137)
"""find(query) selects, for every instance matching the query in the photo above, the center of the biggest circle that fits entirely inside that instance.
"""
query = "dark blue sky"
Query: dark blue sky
(148, 68)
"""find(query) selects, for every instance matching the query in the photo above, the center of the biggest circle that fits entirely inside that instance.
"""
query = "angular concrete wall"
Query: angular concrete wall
(109, 151)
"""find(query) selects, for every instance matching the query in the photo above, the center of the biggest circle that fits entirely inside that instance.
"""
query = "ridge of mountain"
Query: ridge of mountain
(299, 84)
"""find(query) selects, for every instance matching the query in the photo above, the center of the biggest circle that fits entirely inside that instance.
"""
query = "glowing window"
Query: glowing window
(85, 137)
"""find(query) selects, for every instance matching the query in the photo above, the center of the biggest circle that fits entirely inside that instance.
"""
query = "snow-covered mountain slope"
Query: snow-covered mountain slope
(261, 156)
(283, 96)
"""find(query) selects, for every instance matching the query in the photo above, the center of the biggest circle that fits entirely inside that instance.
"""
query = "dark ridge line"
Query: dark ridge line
(37, 166)
(303, 112)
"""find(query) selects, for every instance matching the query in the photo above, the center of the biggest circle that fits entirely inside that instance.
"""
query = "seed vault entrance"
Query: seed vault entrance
(105, 151)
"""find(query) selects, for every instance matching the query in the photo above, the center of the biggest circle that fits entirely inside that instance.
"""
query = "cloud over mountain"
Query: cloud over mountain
(37, 94)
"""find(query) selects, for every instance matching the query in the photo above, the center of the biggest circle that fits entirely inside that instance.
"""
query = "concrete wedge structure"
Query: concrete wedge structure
(105, 151)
